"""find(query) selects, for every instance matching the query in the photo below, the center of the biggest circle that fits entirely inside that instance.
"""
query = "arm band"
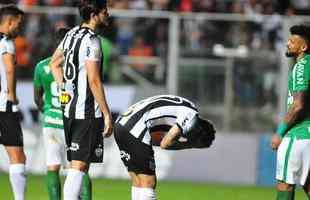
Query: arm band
(282, 128)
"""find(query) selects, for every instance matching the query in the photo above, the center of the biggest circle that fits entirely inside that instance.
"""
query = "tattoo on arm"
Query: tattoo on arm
(296, 110)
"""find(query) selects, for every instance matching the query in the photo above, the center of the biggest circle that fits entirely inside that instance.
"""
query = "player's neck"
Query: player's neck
(300, 56)
(90, 25)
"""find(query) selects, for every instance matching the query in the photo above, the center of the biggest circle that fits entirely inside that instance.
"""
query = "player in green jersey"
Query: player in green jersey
(47, 99)
(292, 139)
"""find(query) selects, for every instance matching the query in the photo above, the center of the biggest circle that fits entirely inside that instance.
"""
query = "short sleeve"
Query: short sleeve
(93, 49)
(7, 46)
(186, 120)
(301, 76)
(36, 77)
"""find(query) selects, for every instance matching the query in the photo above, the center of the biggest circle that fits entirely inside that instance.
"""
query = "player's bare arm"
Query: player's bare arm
(8, 60)
(55, 65)
(38, 97)
(170, 137)
(294, 113)
(95, 84)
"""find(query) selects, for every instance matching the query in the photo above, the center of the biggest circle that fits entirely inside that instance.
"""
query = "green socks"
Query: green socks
(53, 185)
(86, 193)
(286, 195)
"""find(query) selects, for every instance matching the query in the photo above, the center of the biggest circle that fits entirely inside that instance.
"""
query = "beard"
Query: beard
(290, 54)
(13, 34)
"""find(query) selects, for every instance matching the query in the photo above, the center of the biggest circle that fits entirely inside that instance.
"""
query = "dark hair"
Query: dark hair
(59, 35)
(87, 7)
(303, 31)
(10, 10)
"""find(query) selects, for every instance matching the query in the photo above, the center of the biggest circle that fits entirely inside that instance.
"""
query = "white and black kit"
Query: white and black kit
(10, 129)
(83, 122)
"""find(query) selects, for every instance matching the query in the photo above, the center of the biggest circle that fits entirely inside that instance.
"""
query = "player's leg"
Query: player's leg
(306, 187)
(74, 179)
(135, 188)
(305, 174)
(17, 171)
(287, 165)
(75, 173)
(12, 139)
(86, 192)
(147, 187)
(54, 144)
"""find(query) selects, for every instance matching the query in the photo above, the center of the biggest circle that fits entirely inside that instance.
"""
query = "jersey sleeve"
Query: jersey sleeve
(7, 46)
(93, 49)
(36, 77)
(186, 120)
(301, 76)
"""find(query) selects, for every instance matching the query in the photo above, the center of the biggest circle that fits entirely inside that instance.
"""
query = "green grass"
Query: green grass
(106, 189)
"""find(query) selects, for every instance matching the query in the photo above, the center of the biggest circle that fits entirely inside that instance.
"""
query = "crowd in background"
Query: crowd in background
(149, 37)
(223, 6)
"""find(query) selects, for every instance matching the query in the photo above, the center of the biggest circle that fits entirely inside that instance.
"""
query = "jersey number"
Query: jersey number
(55, 94)
(70, 71)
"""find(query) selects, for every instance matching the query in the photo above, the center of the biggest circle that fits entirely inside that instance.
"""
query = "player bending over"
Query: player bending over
(293, 134)
(169, 121)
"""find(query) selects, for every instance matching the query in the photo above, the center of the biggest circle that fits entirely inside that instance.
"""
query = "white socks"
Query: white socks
(18, 180)
(73, 184)
(143, 193)
(135, 193)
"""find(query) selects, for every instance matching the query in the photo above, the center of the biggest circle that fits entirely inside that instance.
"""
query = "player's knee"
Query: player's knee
(281, 186)
(79, 165)
(17, 156)
(148, 182)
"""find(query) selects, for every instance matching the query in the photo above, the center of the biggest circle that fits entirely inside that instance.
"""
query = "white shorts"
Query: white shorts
(293, 161)
(55, 146)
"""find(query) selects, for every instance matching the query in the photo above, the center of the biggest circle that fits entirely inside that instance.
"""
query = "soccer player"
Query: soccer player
(292, 138)
(163, 120)
(86, 114)
(11, 133)
(47, 99)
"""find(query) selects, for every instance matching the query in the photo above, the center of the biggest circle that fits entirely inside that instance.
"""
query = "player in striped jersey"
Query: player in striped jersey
(170, 121)
(10, 130)
(86, 113)
(47, 99)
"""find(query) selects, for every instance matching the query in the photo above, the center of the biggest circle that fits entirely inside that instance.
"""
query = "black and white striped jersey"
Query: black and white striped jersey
(80, 44)
(6, 46)
(158, 113)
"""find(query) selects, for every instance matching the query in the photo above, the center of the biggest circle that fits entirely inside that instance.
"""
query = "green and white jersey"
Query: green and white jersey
(298, 81)
(52, 109)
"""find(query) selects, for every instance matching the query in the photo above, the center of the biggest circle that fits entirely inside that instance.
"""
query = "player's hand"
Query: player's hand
(275, 141)
(108, 127)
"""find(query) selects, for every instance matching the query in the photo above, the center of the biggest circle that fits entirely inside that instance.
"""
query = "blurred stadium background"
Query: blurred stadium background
(227, 56)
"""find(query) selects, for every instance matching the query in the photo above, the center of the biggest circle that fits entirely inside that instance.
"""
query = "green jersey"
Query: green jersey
(52, 108)
(298, 81)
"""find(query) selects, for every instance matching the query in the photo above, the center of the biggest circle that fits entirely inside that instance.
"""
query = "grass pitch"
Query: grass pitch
(106, 189)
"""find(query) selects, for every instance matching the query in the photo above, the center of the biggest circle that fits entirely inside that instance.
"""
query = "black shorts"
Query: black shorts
(10, 130)
(137, 156)
(84, 139)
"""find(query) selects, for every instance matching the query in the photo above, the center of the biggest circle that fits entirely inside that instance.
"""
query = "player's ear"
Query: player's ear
(305, 47)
